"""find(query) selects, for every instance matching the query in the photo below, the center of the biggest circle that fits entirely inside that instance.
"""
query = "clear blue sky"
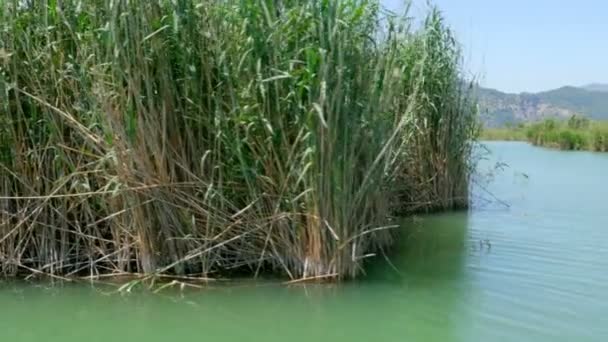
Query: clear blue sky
(529, 45)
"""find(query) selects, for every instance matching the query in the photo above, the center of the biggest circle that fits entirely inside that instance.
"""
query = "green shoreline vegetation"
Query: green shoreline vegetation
(201, 138)
(577, 133)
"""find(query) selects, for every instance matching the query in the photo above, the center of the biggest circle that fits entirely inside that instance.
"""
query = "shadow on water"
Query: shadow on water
(430, 248)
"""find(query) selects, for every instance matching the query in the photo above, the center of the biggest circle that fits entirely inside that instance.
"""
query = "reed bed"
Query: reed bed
(576, 133)
(194, 138)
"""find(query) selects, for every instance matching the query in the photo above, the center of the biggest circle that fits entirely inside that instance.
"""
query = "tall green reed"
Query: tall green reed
(195, 137)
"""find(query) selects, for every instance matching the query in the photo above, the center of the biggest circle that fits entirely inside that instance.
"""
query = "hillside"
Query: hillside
(498, 108)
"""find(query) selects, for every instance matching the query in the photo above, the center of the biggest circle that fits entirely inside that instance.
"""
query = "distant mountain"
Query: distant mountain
(596, 87)
(498, 108)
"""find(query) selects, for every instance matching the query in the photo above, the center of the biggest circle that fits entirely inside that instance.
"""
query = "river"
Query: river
(529, 262)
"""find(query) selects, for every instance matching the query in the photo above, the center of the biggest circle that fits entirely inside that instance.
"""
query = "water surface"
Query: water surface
(535, 270)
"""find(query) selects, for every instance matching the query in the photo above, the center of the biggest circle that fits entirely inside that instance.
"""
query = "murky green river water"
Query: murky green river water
(534, 271)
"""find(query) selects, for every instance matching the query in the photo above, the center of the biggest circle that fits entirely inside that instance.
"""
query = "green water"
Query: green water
(540, 273)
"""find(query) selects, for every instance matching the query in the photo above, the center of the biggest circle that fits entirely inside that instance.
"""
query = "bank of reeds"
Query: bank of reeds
(576, 133)
(511, 133)
(199, 137)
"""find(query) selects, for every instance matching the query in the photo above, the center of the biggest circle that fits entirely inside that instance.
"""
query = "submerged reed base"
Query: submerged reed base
(197, 138)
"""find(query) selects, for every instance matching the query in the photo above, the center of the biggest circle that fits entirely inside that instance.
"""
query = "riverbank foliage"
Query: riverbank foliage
(577, 133)
(199, 137)
(510, 133)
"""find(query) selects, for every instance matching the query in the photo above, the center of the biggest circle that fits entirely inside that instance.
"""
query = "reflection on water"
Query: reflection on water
(430, 247)
(534, 271)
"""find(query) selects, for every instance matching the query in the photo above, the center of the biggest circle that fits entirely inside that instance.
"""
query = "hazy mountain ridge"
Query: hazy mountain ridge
(498, 108)
(596, 87)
